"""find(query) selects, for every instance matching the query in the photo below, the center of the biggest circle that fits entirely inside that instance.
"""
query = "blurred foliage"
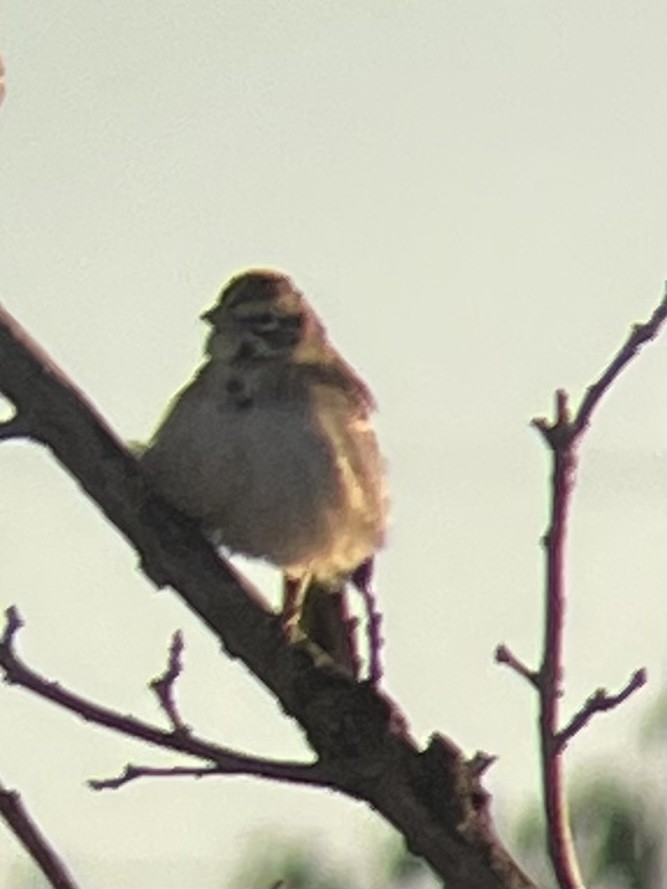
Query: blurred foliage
(298, 864)
(289, 863)
(24, 874)
(618, 817)
(618, 829)
(653, 729)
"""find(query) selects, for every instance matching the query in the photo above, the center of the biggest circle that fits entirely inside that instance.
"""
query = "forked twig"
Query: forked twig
(562, 437)
(164, 686)
(598, 702)
(221, 760)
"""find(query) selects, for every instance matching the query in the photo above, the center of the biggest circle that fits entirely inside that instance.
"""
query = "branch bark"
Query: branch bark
(432, 796)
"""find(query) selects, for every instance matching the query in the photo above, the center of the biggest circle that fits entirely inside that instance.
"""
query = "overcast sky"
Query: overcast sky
(472, 195)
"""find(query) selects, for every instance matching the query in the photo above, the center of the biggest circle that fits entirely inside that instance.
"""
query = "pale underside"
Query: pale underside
(276, 466)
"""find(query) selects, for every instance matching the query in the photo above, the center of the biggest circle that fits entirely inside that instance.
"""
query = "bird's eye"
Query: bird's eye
(263, 321)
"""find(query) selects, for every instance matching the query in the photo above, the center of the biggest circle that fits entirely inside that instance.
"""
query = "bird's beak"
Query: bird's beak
(207, 316)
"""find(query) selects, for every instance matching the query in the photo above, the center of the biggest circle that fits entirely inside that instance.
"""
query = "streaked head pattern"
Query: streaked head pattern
(261, 315)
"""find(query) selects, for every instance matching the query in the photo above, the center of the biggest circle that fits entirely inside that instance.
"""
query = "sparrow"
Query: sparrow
(270, 448)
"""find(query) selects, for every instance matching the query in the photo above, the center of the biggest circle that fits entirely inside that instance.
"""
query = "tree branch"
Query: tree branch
(640, 335)
(18, 820)
(290, 773)
(164, 686)
(550, 675)
(504, 655)
(224, 761)
(598, 702)
(562, 436)
(430, 795)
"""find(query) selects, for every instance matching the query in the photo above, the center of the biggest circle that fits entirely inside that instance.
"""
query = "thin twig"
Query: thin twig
(133, 772)
(230, 764)
(503, 655)
(598, 702)
(41, 851)
(639, 335)
(223, 759)
(164, 686)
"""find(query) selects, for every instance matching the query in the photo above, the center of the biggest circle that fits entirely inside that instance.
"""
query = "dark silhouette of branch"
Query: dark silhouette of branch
(164, 686)
(550, 674)
(33, 840)
(562, 437)
(640, 335)
(223, 760)
(132, 772)
(358, 733)
(504, 656)
(599, 702)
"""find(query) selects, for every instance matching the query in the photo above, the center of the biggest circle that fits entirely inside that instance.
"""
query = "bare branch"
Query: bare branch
(550, 674)
(132, 773)
(562, 436)
(33, 840)
(223, 759)
(13, 623)
(503, 655)
(640, 334)
(164, 686)
(598, 702)
(310, 774)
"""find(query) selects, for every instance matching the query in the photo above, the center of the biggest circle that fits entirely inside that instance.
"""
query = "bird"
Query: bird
(271, 449)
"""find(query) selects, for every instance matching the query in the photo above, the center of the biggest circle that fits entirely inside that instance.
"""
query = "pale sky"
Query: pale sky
(472, 195)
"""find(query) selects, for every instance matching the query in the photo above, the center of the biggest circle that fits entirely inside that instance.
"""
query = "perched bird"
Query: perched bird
(270, 448)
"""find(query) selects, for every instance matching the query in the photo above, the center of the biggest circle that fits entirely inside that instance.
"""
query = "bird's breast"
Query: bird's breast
(270, 479)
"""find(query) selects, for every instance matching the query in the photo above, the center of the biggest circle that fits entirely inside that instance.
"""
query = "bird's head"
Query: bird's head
(261, 315)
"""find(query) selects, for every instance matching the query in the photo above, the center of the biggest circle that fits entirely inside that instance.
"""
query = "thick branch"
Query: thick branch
(430, 796)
